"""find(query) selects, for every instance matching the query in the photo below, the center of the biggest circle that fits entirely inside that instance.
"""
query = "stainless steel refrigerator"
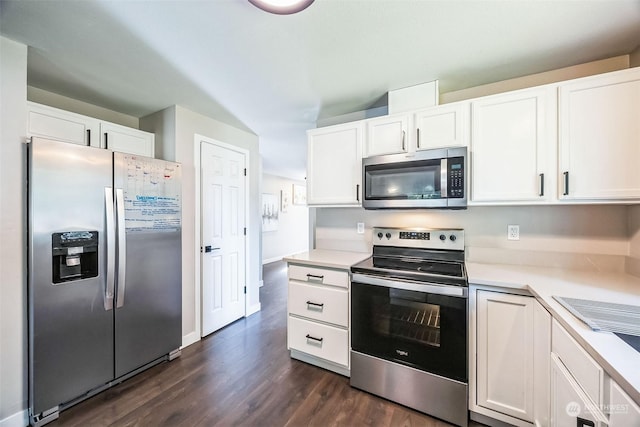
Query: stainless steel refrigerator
(104, 270)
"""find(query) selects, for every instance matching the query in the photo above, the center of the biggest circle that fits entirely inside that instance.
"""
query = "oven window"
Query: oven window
(401, 181)
(421, 330)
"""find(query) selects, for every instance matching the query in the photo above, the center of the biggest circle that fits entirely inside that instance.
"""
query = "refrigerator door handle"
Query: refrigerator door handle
(111, 249)
(122, 248)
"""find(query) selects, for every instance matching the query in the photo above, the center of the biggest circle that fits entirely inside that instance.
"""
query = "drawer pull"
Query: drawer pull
(315, 340)
(313, 276)
(314, 306)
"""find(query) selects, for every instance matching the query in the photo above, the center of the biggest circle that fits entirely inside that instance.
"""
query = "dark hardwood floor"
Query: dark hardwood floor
(242, 375)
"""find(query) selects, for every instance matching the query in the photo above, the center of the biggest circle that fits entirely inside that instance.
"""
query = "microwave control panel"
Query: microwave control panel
(456, 177)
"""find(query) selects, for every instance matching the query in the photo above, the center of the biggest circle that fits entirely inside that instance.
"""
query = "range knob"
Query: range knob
(443, 237)
(388, 235)
(452, 237)
(379, 235)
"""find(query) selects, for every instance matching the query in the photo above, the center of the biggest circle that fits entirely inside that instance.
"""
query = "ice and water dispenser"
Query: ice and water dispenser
(74, 255)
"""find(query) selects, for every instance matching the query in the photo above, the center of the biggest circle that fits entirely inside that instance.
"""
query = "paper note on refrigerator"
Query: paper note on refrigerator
(152, 195)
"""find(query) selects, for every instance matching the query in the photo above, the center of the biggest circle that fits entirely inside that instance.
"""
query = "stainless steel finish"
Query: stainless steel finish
(175, 354)
(38, 420)
(541, 193)
(443, 178)
(122, 248)
(566, 184)
(404, 134)
(111, 249)
(440, 153)
(454, 291)
(76, 348)
(441, 397)
(70, 334)
(433, 243)
(149, 325)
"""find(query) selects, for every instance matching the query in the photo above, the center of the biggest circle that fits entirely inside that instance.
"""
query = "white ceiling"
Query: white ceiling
(276, 75)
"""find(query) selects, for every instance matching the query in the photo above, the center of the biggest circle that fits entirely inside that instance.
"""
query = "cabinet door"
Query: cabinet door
(127, 140)
(599, 122)
(623, 411)
(569, 405)
(387, 135)
(443, 126)
(505, 349)
(512, 146)
(334, 169)
(60, 125)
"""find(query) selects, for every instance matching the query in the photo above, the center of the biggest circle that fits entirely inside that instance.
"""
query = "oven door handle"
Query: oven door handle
(430, 288)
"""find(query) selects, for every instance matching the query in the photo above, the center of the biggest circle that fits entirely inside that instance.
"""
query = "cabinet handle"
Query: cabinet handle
(581, 422)
(88, 137)
(315, 304)
(106, 140)
(566, 184)
(541, 184)
(403, 138)
(313, 276)
(319, 340)
(357, 192)
(418, 137)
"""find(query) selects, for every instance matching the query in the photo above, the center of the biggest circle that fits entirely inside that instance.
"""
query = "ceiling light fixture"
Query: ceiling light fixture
(282, 7)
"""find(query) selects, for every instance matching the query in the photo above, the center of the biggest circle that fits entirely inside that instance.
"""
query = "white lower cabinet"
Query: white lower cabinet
(623, 412)
(577, 383)
(570, 406)
(513, 338)
(318, 316)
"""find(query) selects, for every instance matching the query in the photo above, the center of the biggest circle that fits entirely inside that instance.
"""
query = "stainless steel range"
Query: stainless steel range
(409, 321)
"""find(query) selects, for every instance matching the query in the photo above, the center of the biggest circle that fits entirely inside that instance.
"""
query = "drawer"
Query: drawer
(322, 276)
(323, 303)
(584, 369)
(323, 341)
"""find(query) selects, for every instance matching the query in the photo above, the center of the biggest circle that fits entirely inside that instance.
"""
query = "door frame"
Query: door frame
(197, 143)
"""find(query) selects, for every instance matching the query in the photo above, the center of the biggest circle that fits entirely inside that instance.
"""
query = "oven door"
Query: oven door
(424, 330)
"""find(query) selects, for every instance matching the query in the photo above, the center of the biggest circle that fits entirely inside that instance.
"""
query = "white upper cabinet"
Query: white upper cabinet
(126, 140)
(513, 141)
(434, 127)
(60, 125)
(387, 135)
(442, 126)
(599, 123)
(334, 168)
(65, 126)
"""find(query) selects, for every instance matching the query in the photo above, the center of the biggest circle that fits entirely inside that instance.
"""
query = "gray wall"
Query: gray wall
(176, 129)
(13, 284)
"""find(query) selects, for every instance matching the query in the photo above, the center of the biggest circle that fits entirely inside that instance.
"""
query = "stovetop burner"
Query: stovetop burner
(413, 255)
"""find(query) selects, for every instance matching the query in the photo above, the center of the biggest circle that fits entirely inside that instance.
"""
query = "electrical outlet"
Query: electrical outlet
(361, 228)
(513, 232)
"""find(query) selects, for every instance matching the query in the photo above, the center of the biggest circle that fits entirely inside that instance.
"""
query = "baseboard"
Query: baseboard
(19, 419)
(261, 283)
(253, 309)
(189, 339)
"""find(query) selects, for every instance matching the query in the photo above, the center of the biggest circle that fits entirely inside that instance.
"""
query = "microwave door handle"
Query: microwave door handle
(444, 169)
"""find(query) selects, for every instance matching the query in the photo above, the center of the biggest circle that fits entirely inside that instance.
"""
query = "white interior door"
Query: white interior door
(223, 186)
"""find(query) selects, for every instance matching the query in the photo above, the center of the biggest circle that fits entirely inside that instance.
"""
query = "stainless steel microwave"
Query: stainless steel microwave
(423, 180)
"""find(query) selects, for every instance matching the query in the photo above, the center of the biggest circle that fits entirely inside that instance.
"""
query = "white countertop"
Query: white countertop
(328, 258)
(617, 358)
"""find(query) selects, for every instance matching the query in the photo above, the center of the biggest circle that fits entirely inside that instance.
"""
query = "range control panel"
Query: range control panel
(428, 238)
